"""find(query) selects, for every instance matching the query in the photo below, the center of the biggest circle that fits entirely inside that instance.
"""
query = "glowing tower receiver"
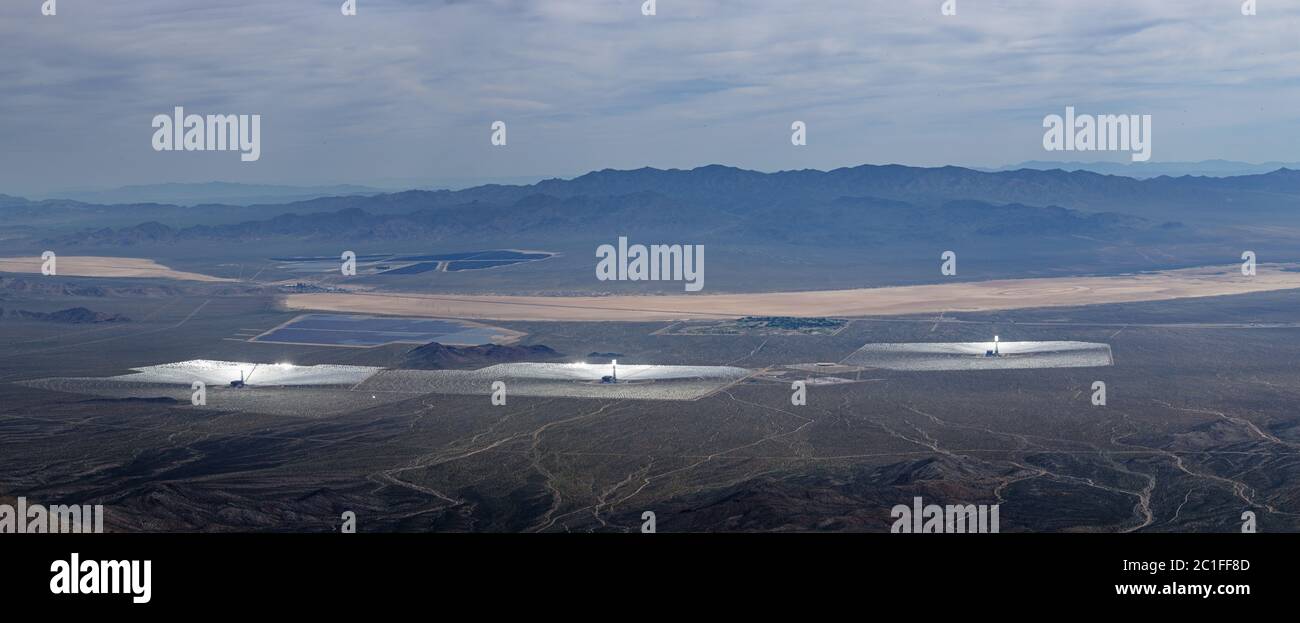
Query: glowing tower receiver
(995, 352)
(242, 379)
(613, 376)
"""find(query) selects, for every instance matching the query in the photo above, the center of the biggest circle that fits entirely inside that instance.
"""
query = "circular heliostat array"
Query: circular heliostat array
(981, 355)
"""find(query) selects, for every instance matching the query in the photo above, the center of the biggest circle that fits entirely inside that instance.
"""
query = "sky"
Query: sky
(404, 94)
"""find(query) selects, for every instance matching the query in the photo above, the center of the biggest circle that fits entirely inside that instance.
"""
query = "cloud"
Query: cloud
(409, 89)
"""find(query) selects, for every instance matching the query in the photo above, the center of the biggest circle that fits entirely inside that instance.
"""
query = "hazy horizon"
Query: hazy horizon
(141, 192)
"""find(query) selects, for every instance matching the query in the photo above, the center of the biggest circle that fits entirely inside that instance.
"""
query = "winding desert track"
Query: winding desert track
(922, 299)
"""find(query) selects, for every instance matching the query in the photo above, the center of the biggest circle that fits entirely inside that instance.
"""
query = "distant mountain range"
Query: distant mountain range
(836, 222)
(237, 194)
(880, 207)
(740, 191)
(224, 193)
(1142, 170)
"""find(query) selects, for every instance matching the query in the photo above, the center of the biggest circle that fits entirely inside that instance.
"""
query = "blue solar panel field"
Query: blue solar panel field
(367, 331)
(392, 264)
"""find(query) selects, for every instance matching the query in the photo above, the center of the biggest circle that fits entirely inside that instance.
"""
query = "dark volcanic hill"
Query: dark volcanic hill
(435, 356)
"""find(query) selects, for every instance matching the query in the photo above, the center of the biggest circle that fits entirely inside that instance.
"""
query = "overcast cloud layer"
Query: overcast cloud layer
(405, 92)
